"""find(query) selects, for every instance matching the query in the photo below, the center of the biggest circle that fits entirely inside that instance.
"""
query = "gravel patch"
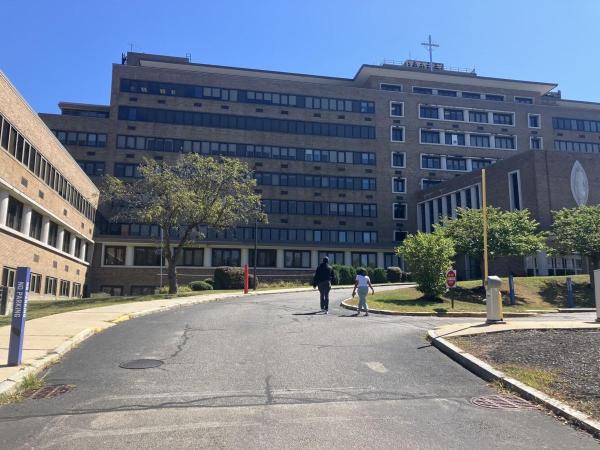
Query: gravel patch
(573, 356)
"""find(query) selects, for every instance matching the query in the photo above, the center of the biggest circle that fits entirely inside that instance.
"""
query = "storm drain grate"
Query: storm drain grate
(141, 364)
(50, 391)
(511, 402)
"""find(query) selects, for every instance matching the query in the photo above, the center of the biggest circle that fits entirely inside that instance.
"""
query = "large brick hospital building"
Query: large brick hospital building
(346, 166)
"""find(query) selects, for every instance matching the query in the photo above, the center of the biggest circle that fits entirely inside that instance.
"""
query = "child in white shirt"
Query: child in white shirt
(362, 284)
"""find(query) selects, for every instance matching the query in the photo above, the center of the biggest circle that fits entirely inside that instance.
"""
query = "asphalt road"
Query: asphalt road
(265, 373)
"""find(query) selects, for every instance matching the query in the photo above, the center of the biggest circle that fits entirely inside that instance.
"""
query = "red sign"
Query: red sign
(451, 278)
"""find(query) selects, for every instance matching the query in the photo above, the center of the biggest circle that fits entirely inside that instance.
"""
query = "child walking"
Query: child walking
(362, 283)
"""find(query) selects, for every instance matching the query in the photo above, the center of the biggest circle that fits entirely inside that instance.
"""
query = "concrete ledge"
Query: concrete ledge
(345, 304)
(489, 373)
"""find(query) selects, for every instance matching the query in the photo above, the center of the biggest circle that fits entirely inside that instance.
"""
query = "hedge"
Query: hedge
(231, 278)
(394, 274)
(200, 286)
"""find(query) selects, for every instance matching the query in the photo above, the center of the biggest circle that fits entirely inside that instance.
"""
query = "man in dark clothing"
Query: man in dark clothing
(323, 278)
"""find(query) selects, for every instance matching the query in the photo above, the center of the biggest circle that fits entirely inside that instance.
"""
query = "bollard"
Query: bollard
(597, 293)
(494, 300)
(570, 299)
(511, 286)
(246, 278)
(3, 299)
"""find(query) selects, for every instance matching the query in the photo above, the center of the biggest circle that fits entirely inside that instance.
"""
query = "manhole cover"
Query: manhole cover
(50, 391)
(502, 402)
(141, 364)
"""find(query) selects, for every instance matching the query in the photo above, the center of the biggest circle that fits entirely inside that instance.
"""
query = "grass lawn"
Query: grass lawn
(531, 293)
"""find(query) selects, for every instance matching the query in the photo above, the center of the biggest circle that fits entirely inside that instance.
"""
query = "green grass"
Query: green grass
(31, 382)
(530, 293)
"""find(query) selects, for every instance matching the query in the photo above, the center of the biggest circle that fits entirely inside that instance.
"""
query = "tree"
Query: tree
(184, 197)
(510, 233)
(429, 256)
(577, 230)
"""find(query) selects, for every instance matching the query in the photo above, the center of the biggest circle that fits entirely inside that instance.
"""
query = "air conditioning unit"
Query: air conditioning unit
(454, 139)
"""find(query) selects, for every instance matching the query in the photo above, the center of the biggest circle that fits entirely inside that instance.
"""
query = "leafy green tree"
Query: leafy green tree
(184, 197)
(510, 233)
(429, 256)
(577, 230)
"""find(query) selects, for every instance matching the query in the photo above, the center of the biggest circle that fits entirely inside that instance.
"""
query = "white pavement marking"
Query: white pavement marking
(376, 366)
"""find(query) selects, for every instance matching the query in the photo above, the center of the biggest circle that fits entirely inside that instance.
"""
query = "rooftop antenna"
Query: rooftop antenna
(188, 57)
(131, 47)
(430, 46)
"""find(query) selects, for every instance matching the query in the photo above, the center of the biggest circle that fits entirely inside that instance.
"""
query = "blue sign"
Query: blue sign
(19, 313)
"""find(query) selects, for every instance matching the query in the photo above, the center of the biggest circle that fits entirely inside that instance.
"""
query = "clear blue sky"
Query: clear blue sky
(63, 50)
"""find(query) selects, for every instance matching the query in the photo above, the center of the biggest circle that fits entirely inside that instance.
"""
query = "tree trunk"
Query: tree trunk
(171, 267)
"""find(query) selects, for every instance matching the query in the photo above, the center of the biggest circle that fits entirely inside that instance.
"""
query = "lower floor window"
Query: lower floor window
(35, 283)
(8, 277)
(334, 257)
(142, 290)
(226, 257)
(50, 286)
(112, 290)
(364, 259)
(76, 290)
(297, 258)
(65, 288)
(264, 258)
(391, 260)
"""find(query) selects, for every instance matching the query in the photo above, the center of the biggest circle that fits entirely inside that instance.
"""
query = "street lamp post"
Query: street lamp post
(255, 251)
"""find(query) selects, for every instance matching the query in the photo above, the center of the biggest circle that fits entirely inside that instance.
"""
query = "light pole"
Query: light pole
(255, 251)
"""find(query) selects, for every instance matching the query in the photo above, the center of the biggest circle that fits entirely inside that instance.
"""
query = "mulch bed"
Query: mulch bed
(573, 355)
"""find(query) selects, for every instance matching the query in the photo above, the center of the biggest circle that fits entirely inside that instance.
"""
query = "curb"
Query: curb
(389, 312)
(488, 373)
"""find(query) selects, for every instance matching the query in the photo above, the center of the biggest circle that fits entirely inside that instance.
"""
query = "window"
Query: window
(454, 138)
(65, 288)
(526, 100)
(534, 120)
(92, 168)
(573, 146)
(296, 259)
(505, 142)
(190, 257)
(76, 290)
(479, 140)
(494, 97)
(514, 190)
(50, 286)
(53, 234)
(66, 247)
(264, 258)
(400, 210)
(481, 163)
(478, 116)
(334, 257)
(396, 109)
(14, 214)
(35, 283)
(364, 259)
(454, 114)
(430, 137)
(142, 290)
(398, 185)
(473, 95)
(80, 138)
(427, 183)
(114, 256)
(146, 256)
(428, 112)
(447, 93)
(127, 170)
(398, 159)
(535, 143)
(390, 87)
(113, 291)
(397, 133)
(226, 257)
(421, 90)
(431, 162)
(399, 236)
(453, 163)
(560, 123)
(35, 227)
(8, 277)
(502, 118)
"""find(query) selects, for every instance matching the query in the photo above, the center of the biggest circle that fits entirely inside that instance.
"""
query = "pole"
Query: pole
(161, 257)
(246, 276)
(255, 252)
(597, 293)
(485, 225)
(511, 286)
(570, 299)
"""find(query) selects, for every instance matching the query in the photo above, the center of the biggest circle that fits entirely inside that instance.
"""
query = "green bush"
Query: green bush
(231, 278)
(336, 274)
(379, 276)
(429, 255)
(200, 286)
(346, 275)
(407, 277)
(210, 281)
(370, 271)
(394, 274)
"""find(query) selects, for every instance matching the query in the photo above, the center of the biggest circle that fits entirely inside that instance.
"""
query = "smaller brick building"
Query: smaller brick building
(537, 180)
(47, 204)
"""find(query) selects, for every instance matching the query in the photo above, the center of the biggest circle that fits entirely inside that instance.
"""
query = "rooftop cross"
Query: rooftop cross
(430, 45)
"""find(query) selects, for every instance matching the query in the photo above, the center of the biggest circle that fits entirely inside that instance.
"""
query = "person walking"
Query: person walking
(323, 278)
(362, 284)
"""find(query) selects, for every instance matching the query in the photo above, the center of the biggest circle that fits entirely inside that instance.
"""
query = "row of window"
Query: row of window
(310, 208)
(244, 150)
(92, 168)
(14, 142)
(52, 286)
(463, 94)
(316, 181)
(431, 211)
(263, 124)
(246, 96)
(574, 146)
(560, 123)
(15, 219)
(448, 137)
(459, 163)
(466, 115)
(85, 113)
(81, 138)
